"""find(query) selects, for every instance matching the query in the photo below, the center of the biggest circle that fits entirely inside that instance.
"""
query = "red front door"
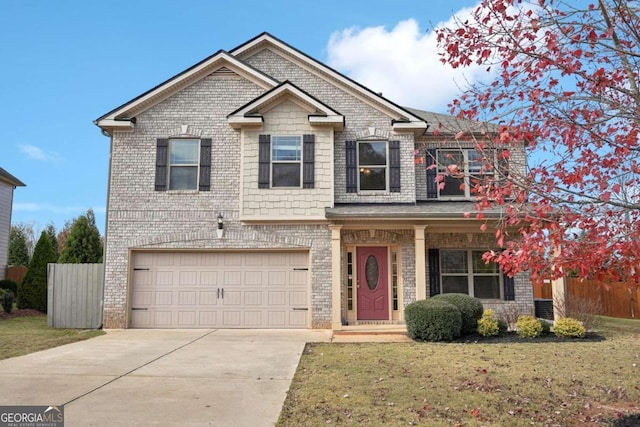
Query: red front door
(373, 289)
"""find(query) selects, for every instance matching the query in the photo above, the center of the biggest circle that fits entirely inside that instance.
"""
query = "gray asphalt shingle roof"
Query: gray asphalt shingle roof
(450, 124)
(425, 210)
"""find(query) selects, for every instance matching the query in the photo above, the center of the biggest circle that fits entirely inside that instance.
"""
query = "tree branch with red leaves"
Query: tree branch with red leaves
(562, 82)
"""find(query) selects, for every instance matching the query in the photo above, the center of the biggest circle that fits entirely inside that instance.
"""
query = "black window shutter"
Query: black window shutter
(394, 166)
(162, 157)
(205, 165)
(264, 160)
(352, 167)
(432, 185)
(434, 272)
(509, 288)
(308, 151)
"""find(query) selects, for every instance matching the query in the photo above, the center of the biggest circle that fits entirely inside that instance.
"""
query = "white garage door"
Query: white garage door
(219, 290)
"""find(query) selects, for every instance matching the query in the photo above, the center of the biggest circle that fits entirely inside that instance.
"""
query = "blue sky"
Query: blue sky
(65, 63)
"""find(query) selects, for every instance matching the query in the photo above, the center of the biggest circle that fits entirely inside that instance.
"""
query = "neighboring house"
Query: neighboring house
(328, 220)
(8, 183)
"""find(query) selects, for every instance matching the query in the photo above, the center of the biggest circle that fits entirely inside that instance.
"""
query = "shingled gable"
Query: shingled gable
(122, 118)
(402, 119)
(320, 114)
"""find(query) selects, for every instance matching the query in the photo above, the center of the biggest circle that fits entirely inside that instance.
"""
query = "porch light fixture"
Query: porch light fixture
(220, 229)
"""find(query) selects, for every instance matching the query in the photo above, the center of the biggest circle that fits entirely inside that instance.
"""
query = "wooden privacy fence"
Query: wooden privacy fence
(16, 273)
(616, 299)
(74, 295)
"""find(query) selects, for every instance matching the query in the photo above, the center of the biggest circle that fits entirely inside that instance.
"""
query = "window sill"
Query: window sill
(180, 192)
(373, 193)
(456, 199)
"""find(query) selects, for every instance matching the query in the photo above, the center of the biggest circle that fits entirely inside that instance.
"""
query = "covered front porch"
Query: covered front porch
(379, 258)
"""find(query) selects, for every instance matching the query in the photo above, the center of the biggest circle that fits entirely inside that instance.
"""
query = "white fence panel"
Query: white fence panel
(74, 295)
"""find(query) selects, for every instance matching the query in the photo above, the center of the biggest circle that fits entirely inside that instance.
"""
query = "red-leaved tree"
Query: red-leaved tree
(563, 81)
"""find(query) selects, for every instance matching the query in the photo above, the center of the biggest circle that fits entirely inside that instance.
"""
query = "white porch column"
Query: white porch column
(336, 301)
(421, 268)
(558, 293)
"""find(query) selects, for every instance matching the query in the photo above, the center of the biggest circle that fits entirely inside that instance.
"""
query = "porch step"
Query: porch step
(371, 333)
(372, 330)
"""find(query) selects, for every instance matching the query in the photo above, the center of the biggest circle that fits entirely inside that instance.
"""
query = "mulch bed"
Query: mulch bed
(512, 337)
(20, 313)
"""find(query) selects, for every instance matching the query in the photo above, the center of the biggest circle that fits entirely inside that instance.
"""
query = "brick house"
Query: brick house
(262, 189)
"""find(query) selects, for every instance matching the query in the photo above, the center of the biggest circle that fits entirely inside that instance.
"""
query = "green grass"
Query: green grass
(28, 334)
(612, 326)
(518, 383)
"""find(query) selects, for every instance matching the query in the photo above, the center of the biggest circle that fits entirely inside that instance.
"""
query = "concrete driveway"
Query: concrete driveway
(162, 377)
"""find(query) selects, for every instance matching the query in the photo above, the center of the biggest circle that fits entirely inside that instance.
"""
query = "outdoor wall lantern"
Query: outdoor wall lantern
(220, 229)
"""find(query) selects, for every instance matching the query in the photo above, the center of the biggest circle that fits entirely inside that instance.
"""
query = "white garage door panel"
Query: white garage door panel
(222, 290)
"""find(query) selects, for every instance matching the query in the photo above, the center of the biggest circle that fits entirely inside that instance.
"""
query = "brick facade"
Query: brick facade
(140, 218)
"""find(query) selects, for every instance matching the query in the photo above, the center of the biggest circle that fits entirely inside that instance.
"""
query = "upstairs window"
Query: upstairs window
(286, 159)
(460, 170)
(184, 159)
(183, 164)
(372, 165)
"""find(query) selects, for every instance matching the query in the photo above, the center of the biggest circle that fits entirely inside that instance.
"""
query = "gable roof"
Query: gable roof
(122, 117)
(320, 113)
(266, 40)
(7, 177)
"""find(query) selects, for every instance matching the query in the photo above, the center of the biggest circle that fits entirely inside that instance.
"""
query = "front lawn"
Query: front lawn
(521, 383)
(28, 334)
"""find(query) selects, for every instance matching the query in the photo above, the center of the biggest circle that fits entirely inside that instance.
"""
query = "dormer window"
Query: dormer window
(286, 159)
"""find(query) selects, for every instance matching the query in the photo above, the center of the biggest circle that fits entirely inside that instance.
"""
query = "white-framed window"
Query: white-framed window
(464, 271)
(373, 165)
(286, 161)
(461, 169)
(184, 162)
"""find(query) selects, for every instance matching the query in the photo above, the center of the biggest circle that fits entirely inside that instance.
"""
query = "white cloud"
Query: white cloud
(402, 63)
(37, 153)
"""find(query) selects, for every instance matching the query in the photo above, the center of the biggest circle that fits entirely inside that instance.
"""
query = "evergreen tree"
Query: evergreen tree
(33, 292)
(18, 250)
(50, 229)
(83, 244)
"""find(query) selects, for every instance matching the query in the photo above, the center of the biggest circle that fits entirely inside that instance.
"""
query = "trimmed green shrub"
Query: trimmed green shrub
(7, 298)
(9, 285)
(546, 326)
(503, 326)
(433, 320)
(488, 324)
(569, 327)
(470, 308)
(528, 327)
